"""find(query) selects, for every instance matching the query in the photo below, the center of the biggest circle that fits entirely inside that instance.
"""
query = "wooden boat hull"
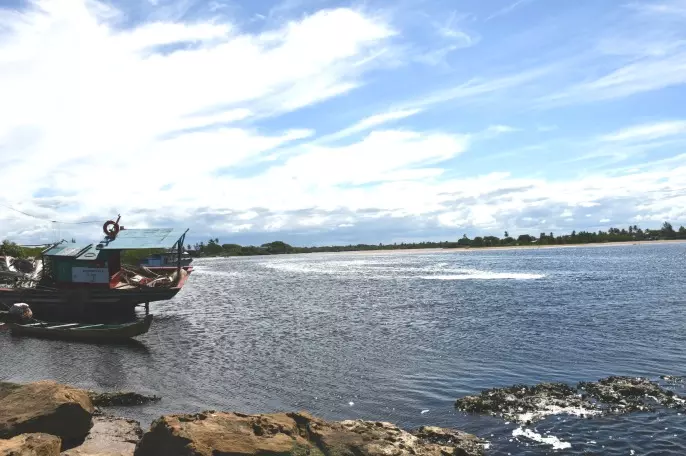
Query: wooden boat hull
(79, 301)
(103, 333)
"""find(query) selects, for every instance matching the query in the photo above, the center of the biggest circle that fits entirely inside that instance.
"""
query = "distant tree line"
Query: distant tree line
(667, 232)
(214, 248)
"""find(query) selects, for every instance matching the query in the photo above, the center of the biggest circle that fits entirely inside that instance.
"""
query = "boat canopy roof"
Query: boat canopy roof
(156, 238)
(68, 250)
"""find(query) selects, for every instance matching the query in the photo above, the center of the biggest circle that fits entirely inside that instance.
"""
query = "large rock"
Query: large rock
(46, 407)
(31, 445)
(211, 433)
(373, 438)
(109, 436)
(216, 433)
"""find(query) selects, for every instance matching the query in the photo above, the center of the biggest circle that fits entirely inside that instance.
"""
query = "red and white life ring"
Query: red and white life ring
(111, 232)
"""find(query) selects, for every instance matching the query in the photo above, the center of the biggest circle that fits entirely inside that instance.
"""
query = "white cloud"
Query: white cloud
(646, 75)
(508, 9)
(370, 122)
(646, 132)
(158, 122)
(84, 103)
(674, 8)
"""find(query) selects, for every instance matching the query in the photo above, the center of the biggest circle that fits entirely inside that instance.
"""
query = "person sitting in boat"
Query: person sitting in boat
(21, 313)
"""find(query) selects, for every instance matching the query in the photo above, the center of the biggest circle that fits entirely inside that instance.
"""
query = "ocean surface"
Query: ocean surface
(399, 336)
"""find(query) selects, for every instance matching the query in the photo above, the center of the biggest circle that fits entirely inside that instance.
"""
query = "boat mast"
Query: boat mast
(179, 249)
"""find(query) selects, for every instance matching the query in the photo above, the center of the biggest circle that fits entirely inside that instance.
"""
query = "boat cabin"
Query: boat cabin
(100, 265)
(167, 259)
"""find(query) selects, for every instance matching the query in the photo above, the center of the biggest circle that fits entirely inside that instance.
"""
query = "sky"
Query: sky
(327, 122)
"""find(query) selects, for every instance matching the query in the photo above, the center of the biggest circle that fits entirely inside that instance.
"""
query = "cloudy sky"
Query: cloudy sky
(318, 122)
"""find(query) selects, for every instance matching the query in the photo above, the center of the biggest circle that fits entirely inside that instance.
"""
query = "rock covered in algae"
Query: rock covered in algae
(120, 399)
(211, 433)
(525, 404)
(631, 394)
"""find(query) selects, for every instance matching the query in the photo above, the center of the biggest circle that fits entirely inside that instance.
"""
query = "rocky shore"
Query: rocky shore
(49, 419)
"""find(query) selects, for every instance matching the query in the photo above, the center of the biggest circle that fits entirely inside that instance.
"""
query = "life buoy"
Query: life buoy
(111, 232)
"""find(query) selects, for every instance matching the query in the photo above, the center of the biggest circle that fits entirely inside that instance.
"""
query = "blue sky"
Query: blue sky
(318, 121)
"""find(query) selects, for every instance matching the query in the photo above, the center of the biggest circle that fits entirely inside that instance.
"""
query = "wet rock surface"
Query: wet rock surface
(120, 399)
(31, 445)
(44, 407)
(631, 394)
(523, 404)
(109, 436)
(526, 404)
(213, 433)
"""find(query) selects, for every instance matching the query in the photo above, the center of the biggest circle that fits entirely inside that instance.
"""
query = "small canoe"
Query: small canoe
(83, 331)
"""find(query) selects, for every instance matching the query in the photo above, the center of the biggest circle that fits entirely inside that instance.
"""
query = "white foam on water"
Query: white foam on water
(485, 275)
(217, 273)
(555, 410)
(556, 443)
(382, 270)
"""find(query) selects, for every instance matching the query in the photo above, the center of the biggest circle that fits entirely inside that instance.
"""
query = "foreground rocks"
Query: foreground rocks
(527, 404)
(214, 433)
(109, 436)
(42, 418)
(44, 407)
(31, 445)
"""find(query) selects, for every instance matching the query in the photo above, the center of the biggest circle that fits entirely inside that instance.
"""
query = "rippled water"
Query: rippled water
(398, 336)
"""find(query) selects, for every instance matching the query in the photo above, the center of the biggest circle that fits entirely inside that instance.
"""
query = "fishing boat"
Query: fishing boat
(72, 280)
(83, 331)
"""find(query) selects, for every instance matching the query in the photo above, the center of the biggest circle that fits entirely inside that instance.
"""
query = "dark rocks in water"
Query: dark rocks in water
(109, 436)
(120, 399)
(631, 394)
(44, 407)
(525, 404)
(35, 444)
(211, 433)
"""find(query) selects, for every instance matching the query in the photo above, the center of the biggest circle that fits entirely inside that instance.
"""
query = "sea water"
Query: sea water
(398, 336)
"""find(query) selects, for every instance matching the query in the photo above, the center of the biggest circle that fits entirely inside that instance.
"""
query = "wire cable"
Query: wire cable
(48, 220)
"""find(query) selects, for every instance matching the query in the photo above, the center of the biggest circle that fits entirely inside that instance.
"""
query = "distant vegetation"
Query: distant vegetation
(11, 249)
(214, 248)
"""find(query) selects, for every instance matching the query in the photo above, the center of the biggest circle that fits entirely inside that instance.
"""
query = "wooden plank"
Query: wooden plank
(68, 325)
(90, 326)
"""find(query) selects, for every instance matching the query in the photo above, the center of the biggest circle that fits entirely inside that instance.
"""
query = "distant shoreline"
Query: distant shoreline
(514, 247)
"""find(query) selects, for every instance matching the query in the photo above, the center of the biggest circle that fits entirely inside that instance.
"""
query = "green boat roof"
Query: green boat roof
(156, 238)
(68, 250)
